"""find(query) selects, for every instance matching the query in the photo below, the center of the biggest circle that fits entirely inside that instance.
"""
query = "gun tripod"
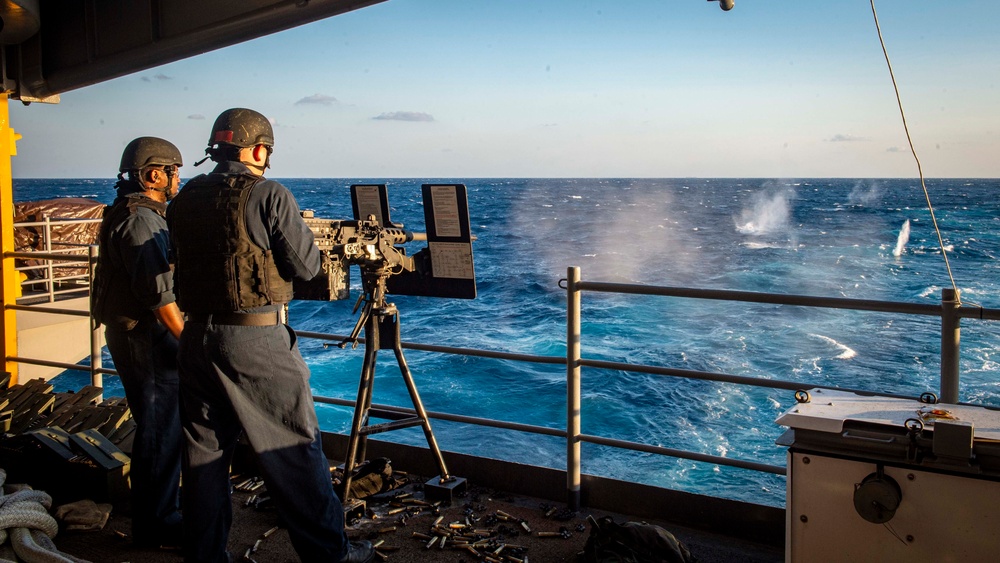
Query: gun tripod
(380, 321)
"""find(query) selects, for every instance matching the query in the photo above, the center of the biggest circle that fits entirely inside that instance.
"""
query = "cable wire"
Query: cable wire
(920, 171)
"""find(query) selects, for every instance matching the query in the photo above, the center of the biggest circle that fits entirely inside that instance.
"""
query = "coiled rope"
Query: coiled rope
(26, 522)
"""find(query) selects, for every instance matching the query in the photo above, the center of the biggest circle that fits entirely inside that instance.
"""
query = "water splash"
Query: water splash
(769, 213)
(904, 237)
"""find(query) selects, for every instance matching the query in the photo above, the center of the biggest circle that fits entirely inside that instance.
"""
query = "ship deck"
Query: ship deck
(483, 506)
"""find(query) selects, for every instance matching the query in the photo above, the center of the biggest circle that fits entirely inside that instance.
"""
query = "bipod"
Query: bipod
(381, 326)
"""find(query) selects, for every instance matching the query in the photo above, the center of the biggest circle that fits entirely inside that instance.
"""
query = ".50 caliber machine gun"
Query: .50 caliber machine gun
(444, 268)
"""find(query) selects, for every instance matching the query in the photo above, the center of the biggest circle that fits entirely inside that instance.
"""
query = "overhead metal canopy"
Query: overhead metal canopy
(53, 46)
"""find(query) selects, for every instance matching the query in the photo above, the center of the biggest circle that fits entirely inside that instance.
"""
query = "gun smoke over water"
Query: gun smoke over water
(629, 236)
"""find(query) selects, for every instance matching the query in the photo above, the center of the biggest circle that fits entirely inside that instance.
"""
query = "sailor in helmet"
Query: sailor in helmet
(133, 298)
(238, 241)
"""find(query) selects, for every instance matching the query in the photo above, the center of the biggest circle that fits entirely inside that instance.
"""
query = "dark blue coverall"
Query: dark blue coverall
(253, 379)
(146, 360)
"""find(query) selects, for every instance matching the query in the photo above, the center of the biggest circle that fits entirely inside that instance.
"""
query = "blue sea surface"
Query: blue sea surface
(854, 238)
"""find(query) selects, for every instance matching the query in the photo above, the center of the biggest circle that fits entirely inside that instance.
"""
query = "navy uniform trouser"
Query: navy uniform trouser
(253, 379)
(146, 360)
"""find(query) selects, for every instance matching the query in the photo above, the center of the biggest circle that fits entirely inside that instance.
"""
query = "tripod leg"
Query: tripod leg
(357, 444)
(417, 403)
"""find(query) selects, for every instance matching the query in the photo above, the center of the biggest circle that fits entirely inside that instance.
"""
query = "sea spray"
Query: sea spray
(769, 213)
(902, 239)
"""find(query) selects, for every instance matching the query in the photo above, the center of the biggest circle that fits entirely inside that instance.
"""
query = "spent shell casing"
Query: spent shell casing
(381, 556)
(387, 529)
(548, 534)
(420, 536)
(437, 520)
(256, 546)
(396, 510)
(270, 532)
(431, 543)
(524, 524)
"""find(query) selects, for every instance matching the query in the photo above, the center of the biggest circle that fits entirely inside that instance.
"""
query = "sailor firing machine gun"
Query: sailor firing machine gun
(373, 243)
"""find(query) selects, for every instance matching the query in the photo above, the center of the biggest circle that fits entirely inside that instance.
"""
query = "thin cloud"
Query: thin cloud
(892, 149)
(405, 116)
(196, 116)
(841, 138)
(317, 99)
(159, 76)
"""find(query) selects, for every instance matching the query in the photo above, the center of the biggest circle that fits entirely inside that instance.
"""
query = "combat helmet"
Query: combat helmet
(149, 151)
(241, 127)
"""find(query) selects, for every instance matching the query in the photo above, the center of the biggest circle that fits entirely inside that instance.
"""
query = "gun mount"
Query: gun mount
(374, 245)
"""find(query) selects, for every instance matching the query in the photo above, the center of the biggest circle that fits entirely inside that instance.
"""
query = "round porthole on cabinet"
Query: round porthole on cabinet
(877, 497)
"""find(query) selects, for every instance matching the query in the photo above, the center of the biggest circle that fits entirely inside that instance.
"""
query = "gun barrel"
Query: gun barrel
(400, 236)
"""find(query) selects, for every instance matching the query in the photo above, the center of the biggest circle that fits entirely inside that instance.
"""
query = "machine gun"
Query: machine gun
(363, 243)
(373, 244)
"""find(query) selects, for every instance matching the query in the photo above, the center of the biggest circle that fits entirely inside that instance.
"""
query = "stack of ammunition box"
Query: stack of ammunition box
(71, 445)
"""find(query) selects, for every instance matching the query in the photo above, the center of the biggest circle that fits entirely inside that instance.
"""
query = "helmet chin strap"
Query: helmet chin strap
(166, 190)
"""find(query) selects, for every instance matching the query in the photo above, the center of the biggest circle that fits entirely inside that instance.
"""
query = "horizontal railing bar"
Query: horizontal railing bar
(454, 418)
(728, 378)
(46, 256)
(62, 365)
(61, 220)
(52, 310)
(557, 360)
(601, 364)
(976, 312)
(706, 458)
(771, 298)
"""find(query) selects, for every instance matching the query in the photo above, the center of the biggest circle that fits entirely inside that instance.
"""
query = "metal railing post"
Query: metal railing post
(96, 378)
(951, 337)
(50, 272)
(573, 388)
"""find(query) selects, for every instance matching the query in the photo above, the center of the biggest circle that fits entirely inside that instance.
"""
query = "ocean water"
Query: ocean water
(855, 238)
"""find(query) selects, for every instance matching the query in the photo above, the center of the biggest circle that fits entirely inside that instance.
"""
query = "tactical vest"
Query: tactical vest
(112, 302)
(217, 267)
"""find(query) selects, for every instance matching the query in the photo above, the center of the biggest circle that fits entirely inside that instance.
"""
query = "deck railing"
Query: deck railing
(89, 261)
(53, 280)
(950, 312)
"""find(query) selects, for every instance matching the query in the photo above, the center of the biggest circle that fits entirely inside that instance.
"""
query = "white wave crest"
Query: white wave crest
(846, 352)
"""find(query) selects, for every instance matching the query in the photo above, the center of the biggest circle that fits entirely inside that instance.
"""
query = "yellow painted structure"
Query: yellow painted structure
(8, 275)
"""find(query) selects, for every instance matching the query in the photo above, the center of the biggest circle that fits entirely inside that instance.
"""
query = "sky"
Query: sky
(569, 88)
